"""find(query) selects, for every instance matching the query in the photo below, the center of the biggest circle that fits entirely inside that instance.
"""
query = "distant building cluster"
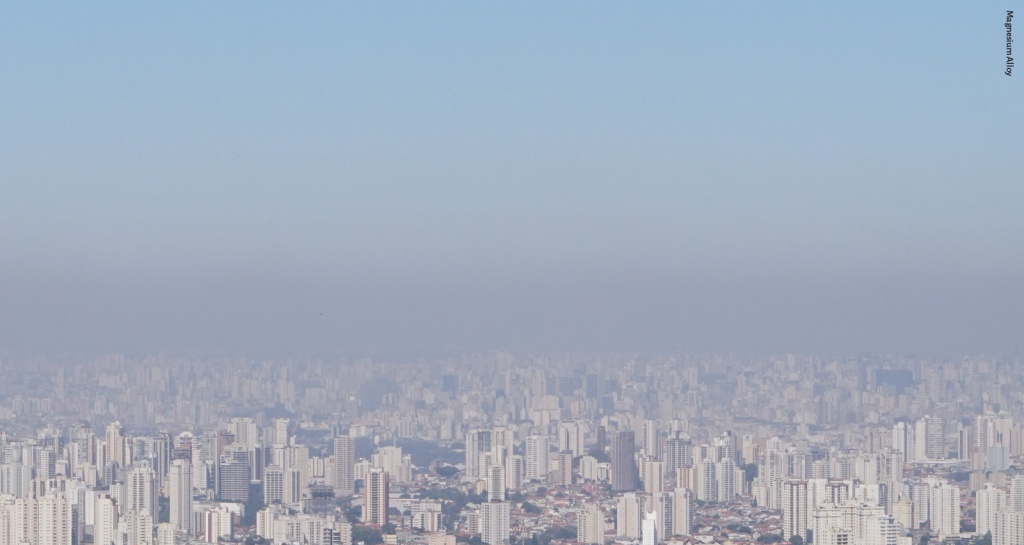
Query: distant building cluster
(498, 450)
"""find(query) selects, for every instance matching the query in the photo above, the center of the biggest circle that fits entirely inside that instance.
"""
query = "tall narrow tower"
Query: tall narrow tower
(794, 509)
(344, 464)
(624, 473)
(180, 495)
(375, 508)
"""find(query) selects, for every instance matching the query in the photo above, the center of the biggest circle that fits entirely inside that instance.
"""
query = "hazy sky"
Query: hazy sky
(428, 178)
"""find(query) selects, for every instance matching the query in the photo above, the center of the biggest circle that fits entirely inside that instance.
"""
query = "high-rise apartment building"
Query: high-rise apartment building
(624, 472)
(650, 439)
(944, 510)
(141, 491)
(1009, 528)
(903, 440)
(180, 494)
(678, 452)
(478, 442)
(794, 509)
(273, 485)
(52, 519)
(115, 443)
(105, 521)
(233, 480)
(990, 502)
(495, 481)
(629, 512)
(682, 512)
(375, 504)
(570, 437)
(494, 523)
(139, 527)
(344, 458)
(590, 525)
(537, 457)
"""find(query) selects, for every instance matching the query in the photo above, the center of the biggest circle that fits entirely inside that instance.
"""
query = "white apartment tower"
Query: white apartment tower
(649, 529)
(344, 458)
(105, 521)
(794, 509)
(141, 490)
(537, 457)
(990, 502)
(115, 443)
(590, 525)
(570, 437)
(650, 439)
(179, 480)
(375, 506)
(944, 510)
(494, 522)
(629, 511)
(682, 511)
(1009, 528)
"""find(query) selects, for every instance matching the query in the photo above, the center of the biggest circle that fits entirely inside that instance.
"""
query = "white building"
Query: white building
(649, 529)
(179, 480)
(590, 525)
(537, 457)
(794, 509)
(990, 502)
(944, 510)
(494, 523)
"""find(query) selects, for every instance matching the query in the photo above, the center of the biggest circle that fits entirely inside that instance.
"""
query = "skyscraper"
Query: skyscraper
(677, 453)
(794, 509)
(273, 485)
(1009, 528)
(375, 506)
(570, 437)
(52, 519)
(537, 458)
(1015, 501)
(105, 521)
(477, 443)
(140, 527)
(649, 528)
(141, 490)
(494, 522)
(651, 439)
(624, 473)
(590, 525)
(682, 511)
(903, 440)
(628, 515)
(990, 501)
(495, 480)
(652, 475)
(115, 443)
(233, 479)
(944, 509)
(344, 458)
(180, 495)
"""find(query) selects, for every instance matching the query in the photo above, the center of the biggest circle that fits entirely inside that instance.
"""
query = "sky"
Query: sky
(403, 180)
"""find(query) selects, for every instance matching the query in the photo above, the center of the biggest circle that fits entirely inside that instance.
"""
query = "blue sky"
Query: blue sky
(427, 178)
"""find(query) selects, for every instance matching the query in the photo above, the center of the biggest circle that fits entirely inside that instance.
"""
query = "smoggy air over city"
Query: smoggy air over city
(573, 273)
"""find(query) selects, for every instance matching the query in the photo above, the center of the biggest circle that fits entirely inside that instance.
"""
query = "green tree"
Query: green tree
(447, 471)
(367, 535)
(796, 540)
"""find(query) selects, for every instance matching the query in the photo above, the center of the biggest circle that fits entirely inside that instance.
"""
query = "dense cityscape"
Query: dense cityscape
(501, 449)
